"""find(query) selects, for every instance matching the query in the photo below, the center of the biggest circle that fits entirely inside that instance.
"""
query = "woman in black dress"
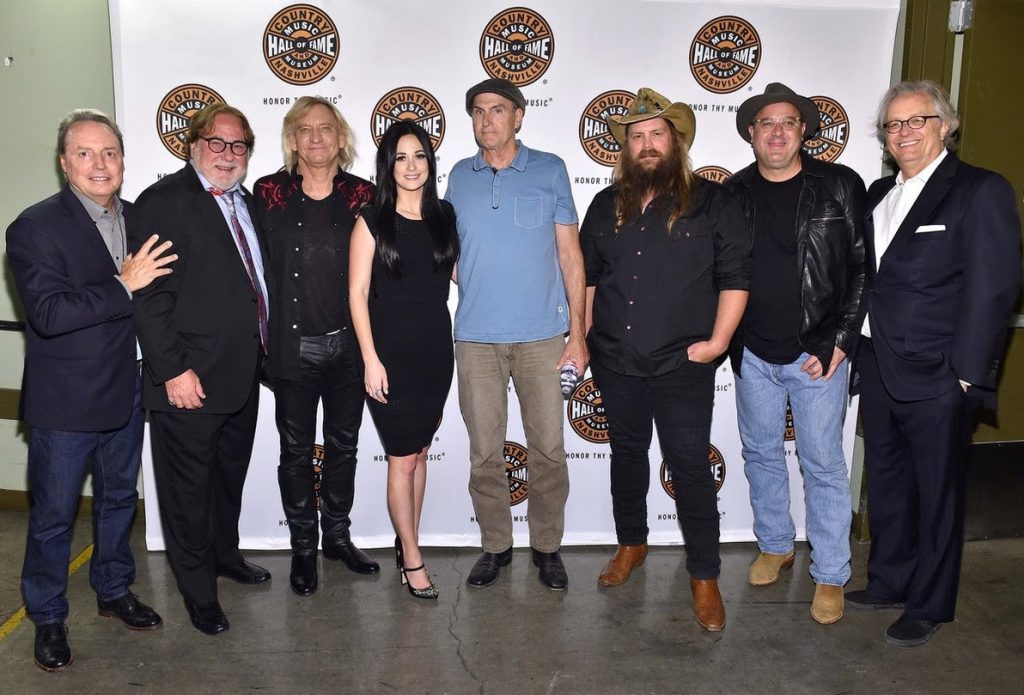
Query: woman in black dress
(403, 252)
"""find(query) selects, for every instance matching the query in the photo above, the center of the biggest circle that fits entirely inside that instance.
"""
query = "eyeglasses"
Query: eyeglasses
(767, 125)
(239, 148)
(915, 123)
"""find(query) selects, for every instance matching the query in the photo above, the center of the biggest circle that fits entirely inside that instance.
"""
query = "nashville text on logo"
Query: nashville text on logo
(301, 44)
(831, 138)
(585, 411)
(594, 136)
(725, 54)
(517, 46)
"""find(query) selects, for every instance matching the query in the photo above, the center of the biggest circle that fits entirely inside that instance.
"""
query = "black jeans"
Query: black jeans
(679, 404)
(328, 372)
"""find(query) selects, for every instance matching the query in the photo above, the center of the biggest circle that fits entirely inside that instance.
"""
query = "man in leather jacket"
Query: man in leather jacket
(805, 216)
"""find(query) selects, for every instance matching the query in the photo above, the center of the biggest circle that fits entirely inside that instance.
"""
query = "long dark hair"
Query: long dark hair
(439, 221)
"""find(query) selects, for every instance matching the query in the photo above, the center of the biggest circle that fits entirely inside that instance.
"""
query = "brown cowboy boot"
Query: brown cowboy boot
(626, 559)
(707, 604)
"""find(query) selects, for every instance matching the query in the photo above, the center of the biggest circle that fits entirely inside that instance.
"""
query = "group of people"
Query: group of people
(334, 290)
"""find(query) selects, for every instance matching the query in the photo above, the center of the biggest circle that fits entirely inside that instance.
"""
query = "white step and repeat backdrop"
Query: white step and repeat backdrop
(576, 61)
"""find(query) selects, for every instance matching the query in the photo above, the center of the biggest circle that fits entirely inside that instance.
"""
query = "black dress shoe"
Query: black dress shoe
(303, 576)
(354, 558)
(862, 599)
(485, 571)
(52, 652)
(207, 617)
(244, 573)
(132, 612)
(910, 632)
(552, 571)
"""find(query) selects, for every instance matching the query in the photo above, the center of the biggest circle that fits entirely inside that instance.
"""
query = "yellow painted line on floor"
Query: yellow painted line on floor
(11, 624)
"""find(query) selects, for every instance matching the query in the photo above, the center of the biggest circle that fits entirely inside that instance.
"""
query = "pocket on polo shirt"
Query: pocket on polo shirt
(529, 212)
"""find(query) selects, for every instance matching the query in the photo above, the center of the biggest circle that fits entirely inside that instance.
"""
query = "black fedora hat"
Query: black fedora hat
(775, 93)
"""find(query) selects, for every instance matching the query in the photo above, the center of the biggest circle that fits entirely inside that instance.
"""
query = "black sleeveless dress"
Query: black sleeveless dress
(412, 332)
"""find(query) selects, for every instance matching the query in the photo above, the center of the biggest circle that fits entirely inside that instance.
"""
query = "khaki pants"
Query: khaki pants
(484, 370)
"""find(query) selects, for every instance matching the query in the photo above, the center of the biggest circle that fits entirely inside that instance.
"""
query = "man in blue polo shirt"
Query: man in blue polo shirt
(521, 289)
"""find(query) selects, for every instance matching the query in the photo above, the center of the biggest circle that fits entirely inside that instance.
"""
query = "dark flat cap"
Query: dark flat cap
(495, 86)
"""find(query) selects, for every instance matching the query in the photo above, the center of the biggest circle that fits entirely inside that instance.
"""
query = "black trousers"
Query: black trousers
(200, 461)
(914, 456)
(328, 372)
(679, 404)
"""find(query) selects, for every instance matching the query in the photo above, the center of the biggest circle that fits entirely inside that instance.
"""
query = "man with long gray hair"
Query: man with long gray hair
(943, 270)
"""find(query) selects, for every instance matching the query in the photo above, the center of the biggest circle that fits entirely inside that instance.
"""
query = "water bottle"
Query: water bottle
(568, 377)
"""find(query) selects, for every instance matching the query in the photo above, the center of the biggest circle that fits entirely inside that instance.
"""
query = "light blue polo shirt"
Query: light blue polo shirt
(510, 283)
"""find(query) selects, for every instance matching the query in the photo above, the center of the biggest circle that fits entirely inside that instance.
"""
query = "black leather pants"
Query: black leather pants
(328, 372)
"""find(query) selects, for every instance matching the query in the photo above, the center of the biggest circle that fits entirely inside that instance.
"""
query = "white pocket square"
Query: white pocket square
(924, 228)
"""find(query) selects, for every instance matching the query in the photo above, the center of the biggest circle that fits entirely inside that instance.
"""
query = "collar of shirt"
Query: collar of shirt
(518, 162)
(95, 210)
(922, 177)
(237, 188)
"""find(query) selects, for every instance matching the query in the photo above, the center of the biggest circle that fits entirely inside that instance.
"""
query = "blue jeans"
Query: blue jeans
(57, 464)
(818, 408)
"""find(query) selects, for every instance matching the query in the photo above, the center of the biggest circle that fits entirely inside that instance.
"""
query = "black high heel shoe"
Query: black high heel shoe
(429, 592)
(398, 553)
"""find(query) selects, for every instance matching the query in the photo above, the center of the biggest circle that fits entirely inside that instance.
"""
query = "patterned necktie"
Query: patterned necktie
(250, 267)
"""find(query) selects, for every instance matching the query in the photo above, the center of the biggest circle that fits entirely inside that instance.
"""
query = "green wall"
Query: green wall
(61, 61)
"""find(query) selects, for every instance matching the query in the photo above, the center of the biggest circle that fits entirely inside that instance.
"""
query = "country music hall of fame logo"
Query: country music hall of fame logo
(300, 44)
(725, 54)
(789, 434)
(595, 138)
(713, 173)
(517, 472)
(717, 463)
(517, 45)
(585, 411)
(175, 113)
(830, 140)
(408, 104)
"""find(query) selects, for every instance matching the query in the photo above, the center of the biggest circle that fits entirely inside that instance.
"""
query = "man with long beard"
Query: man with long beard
(667, 259)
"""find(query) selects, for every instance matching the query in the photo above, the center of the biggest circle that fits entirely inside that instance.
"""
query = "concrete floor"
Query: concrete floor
(367, 635)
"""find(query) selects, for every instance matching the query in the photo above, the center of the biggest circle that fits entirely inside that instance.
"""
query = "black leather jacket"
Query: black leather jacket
(830, 251)
(277, 198)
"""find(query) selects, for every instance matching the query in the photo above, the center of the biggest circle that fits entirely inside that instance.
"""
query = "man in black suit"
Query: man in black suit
(943, 252)
(203, 337)
(80, 390)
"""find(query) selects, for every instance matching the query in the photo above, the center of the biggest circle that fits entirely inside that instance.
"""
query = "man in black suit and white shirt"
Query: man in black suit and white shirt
(203, 336)
(943, 251)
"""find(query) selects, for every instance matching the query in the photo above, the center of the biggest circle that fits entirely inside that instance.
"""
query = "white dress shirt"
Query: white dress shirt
(892, 210)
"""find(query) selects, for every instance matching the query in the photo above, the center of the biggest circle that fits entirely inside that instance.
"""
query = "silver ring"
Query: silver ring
(378, 392)
(172, 403)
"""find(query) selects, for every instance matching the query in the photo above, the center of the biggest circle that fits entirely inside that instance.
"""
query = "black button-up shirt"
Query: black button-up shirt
(656, 290)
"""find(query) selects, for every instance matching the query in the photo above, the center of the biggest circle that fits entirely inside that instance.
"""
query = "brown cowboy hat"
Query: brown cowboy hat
(775, 93)
(649, 104)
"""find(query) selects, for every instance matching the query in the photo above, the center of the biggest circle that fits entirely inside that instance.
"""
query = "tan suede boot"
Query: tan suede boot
(827, 606)
(626, 559)
(765, 569)
(707, 604)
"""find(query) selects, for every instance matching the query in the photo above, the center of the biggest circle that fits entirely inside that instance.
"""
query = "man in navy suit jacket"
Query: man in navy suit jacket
(943, 251)
(80, 390)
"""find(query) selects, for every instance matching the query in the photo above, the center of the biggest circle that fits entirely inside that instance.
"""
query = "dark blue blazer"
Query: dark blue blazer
(939, 302)
(80, 363)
